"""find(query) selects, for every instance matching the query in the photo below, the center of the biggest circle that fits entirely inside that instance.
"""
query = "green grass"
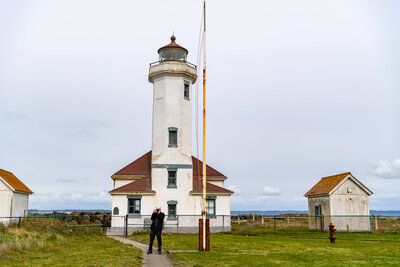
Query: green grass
(21, 247)
(258, 246)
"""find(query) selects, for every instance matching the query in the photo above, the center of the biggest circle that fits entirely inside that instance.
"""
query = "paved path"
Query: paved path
(149, 260)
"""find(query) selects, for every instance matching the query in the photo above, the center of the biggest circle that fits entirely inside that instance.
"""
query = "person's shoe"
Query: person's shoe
(149, 252)
(159, 251)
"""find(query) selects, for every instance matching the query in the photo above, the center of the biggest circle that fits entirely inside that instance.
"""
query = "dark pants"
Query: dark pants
(154, 233)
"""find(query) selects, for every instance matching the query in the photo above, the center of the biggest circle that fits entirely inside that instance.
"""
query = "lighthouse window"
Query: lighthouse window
(173, 137)
(186, 90)
(172, 209)
(171, 178)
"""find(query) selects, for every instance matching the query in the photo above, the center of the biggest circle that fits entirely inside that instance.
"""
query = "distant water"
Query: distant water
(233, 212)
(65, 211)
(268, 212)
(278, 212)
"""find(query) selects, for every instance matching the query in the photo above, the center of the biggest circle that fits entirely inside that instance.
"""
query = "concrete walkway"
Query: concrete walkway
(149, 260)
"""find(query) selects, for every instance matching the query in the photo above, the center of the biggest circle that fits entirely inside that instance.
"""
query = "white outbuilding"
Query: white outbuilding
(169, 176)
(341, 199)
(14, 197)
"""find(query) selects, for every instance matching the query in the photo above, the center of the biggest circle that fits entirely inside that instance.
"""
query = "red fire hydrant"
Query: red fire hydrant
(332, 231)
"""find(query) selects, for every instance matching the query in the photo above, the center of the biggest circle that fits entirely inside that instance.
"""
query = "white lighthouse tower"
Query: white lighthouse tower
(171, 162)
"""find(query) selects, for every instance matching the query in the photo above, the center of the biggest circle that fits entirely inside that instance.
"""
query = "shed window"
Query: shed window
(173, 137)
(317, 210)
(134, 206)
(210, 206)
(171, 178)
(186, 90)
(116, 211)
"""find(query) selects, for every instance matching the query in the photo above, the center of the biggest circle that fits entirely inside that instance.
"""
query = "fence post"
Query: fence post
(104, 223)
(274, 224)
(65, 223)
(376, 222)
(262, 220)
(177, 224)
(223, 224)
(19, 222)
(370, 224)
(238, 219)
(288, 219)
(253, 217)
(126, 225)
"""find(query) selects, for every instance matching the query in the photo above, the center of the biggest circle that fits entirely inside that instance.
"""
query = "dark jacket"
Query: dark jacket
(158, 220)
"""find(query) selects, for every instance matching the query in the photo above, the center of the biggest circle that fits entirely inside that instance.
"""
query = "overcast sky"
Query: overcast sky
(297, 90)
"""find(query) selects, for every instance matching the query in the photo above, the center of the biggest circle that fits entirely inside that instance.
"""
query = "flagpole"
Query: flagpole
(204, 129)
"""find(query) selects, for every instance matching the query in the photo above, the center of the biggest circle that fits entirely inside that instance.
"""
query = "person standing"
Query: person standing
(156, 229)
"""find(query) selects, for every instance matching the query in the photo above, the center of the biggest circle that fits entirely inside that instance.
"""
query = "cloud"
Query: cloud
(70, 200)
(84, 128)
(384, 169)
(72, 180)
(269, 191)
(12, 116)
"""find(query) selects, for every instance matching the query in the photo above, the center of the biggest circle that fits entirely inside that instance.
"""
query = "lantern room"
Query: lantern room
(172, 52)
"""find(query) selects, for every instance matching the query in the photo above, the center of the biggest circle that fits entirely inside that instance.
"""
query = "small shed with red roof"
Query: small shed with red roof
(14, 196)
(341, 199)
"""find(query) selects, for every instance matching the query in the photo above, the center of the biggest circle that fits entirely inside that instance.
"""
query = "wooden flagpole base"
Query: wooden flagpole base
(207, 235)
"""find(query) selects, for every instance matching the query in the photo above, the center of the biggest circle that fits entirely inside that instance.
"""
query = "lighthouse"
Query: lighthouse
(169, 175)
(171, 163)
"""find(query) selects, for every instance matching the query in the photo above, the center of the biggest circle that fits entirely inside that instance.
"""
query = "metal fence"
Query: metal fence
(300, 223)
(126, 224)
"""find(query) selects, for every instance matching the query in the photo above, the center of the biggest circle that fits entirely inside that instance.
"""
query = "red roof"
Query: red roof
(140, 186)
(210, 188)
(326, 184)
(209, 170)
(141, 166)
(12, 180)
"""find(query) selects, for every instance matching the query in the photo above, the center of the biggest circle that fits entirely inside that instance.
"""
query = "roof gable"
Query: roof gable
(355, 181)
(14, 182)
(328, 185)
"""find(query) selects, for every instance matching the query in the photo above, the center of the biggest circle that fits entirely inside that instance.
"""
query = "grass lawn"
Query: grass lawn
(20, 247)
(258, 246)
